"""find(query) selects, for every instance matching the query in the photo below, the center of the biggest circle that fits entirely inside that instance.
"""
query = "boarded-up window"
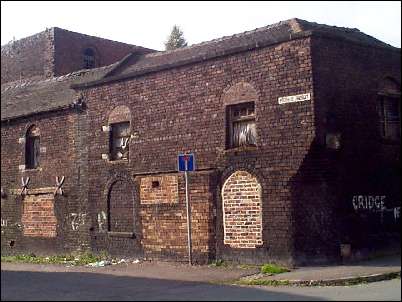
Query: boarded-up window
(32, 148)
(119, 140)
(241, 125)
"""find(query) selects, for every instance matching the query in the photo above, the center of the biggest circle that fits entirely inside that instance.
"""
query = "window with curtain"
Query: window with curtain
(241, 125)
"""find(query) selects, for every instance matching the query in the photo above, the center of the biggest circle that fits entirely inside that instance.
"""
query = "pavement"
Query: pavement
(370, 270)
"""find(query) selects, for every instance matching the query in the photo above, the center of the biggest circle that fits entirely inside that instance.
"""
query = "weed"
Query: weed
(273, 269)
(219, 263)
(74, 259)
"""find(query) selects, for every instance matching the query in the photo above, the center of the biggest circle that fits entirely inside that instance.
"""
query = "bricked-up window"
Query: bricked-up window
(119, 140)
(32, 148)
(390, 117)
(89, 58)
(241, 125)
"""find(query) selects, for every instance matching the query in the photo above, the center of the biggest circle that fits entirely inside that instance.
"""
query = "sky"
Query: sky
(148, 24)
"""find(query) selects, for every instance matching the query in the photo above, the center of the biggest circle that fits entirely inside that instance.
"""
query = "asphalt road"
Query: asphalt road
(62, 286)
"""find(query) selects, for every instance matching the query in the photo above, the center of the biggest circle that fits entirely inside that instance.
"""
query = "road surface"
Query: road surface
(59, 286)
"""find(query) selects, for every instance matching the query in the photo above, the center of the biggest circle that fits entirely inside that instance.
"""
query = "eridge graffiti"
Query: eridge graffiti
(374, 204)
(77, 220)
(369, 202)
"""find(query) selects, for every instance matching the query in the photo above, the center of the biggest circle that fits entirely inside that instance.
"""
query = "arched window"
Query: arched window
(239, 101)
(32, 148)
(89, 58)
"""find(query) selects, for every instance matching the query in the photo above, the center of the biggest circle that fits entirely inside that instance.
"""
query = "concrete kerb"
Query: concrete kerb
(325, 282)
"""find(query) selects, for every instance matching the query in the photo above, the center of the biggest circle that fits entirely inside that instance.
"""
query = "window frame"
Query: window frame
(112, 137)
(89, 60)
(232, 119)
(32, 148)
(383, 116)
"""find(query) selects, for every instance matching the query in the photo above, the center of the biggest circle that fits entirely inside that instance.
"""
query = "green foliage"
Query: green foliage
(272, 269)
(175, 39)
(264, 282)
(218, 263)
(78, 259)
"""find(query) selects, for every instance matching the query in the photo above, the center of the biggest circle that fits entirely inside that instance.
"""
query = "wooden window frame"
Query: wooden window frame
(233, 118)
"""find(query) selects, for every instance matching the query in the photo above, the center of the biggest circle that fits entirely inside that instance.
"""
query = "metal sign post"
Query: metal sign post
(188, 160)
(188, 218)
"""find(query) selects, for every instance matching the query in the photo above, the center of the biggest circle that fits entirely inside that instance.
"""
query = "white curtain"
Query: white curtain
(244, 133)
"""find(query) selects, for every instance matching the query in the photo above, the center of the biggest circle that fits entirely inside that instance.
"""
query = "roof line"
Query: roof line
(59, 108)
(239, 49)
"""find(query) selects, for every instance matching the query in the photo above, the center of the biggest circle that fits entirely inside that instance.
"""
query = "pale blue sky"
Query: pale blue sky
(149, 23)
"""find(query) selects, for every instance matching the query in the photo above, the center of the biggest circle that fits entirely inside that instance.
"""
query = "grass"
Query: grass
(263, 282)
(77, 259)
(219, 263)
(273, 269)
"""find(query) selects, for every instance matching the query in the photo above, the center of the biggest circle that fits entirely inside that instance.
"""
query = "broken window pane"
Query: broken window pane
(119, 144)
(242, 128)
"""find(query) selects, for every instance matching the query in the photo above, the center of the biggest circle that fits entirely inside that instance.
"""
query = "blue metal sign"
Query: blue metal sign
(186, 162)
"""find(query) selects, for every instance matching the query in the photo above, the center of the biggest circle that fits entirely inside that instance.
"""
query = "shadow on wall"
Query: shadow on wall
(345, 197)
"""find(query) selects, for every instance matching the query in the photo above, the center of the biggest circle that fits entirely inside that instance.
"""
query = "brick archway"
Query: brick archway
(242, 210)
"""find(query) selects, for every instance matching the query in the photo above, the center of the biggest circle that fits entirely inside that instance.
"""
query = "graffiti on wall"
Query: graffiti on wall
(102, 222)
(374, 204)
(77, 220)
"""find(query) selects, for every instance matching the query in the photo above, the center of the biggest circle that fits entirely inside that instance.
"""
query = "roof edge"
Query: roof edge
(239, 49)
(59, 108)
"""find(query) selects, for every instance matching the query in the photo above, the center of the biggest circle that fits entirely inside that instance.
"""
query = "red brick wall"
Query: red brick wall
(241, 197)
(70, 46)
(183, 109)
(60, 156)
(121, 207)
(56, 52)
(38, 216)
(347, 78)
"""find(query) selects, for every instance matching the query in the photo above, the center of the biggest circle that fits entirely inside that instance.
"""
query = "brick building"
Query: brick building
(295, 128)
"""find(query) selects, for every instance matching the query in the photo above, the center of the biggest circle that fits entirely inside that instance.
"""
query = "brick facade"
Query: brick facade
(292, 192)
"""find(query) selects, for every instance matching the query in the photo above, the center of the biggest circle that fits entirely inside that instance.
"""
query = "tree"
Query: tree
(175, 39)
